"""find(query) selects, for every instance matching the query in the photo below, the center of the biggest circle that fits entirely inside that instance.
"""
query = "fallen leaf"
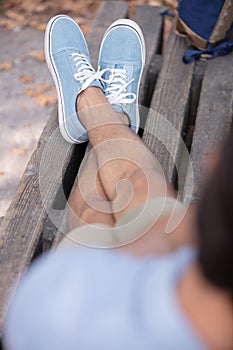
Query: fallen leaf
(4, 22)
(35, 13)
(26, 5)
(11, 25)
(83, 8)
(7, 65)
(2, 172)
(37, 91)
(38, 55)
(14, 15)
(47, 5)
(33, 23)
(26, 79)
(155, 3)
(45, 100)
(40, 88)
(41, 27)
(30, 92)
(19, 151)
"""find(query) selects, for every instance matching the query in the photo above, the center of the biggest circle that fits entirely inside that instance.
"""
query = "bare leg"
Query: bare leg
(89, 204)
(121, 155)
(117, 153)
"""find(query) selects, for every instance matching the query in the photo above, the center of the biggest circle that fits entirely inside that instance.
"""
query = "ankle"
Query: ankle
(90, 97)
(94, 110)
(88, 100)
(124, 118)
(93, 96)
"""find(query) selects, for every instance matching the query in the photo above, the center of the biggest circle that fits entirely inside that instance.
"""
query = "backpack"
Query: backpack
(208, 25)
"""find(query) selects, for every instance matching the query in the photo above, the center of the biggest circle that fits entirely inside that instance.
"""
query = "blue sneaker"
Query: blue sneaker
(68, 60)
(121, 60)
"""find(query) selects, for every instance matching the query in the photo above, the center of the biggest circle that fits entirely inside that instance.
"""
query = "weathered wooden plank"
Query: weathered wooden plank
(199, 69)
(151, 23)
(168, 112)
(108, 12)
(50, 230)
(154, 70)
(198, 74)
(56, 212)
(213, 121)
(23, 222)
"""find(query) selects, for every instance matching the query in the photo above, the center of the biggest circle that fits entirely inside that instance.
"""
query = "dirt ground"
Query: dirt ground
(27, 90)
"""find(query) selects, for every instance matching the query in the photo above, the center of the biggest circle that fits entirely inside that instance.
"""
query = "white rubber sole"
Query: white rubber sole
(133, 25)
(52, 67)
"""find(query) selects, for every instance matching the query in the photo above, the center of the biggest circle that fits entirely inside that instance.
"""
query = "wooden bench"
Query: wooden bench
(195, 99)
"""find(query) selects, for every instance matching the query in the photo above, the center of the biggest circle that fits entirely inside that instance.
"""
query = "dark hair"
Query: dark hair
(215, 222)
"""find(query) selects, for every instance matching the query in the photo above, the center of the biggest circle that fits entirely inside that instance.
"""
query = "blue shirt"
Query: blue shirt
(85, 299)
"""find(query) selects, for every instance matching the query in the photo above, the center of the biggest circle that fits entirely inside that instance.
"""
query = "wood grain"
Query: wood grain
(151, 23)
(213, 121)
(167, 116)
(23, 223)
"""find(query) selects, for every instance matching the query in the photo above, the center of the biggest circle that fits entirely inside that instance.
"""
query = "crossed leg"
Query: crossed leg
(120, 171)
(119, 174)
(89, 203)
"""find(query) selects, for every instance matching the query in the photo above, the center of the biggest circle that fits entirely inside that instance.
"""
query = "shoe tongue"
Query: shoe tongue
(118, 108)
(119, 66)
(107, 74)
(96, 83)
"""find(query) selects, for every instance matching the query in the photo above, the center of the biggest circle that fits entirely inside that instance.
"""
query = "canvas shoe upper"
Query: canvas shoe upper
(121, 61)
(68, 60)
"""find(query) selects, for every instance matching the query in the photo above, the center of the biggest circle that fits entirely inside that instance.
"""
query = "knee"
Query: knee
(89, 214)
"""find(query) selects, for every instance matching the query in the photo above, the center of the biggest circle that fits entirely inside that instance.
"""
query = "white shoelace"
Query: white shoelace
(116, 83)
(117, 86)
(85, 72)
